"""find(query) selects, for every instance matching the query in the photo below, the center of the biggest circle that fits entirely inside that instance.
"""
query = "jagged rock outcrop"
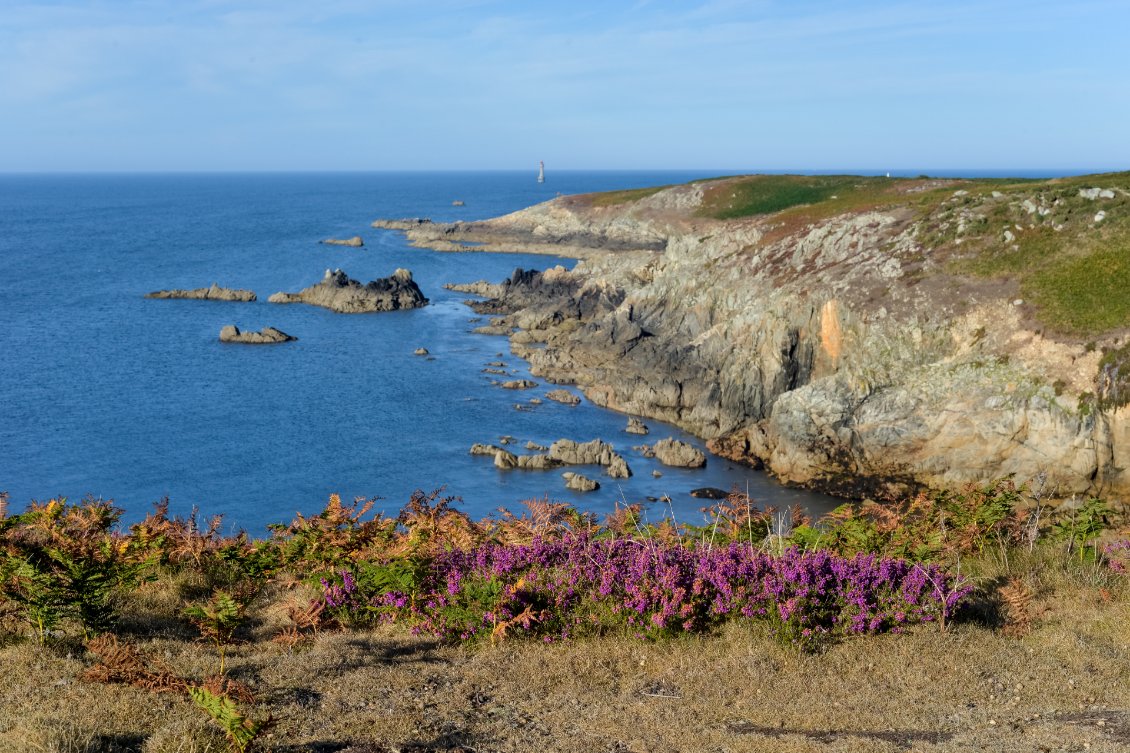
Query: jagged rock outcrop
(842, 348)
(266, 336)
(595, 452)
(211, 293)
(336, 291)
(672, 452)
(354, 242)
(562, 452)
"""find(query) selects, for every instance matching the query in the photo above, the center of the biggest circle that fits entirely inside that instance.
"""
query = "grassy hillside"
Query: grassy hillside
(1065, 242)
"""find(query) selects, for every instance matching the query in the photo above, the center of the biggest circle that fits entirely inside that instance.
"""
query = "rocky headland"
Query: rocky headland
(856, 335)
(211, 293)
(337, 292)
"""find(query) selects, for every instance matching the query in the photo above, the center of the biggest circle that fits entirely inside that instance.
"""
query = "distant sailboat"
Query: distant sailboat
(541, 172)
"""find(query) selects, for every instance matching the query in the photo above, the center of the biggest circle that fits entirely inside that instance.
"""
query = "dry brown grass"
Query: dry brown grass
(1062, 686)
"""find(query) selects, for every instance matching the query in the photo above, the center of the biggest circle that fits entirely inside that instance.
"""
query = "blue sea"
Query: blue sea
(106, 393)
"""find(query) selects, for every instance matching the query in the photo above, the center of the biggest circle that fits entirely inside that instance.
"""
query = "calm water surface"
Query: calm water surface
(106, 393)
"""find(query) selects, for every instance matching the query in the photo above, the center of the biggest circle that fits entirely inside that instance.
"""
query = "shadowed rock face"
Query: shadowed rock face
(265, 336)
(338, 292)
(211, 293)
(839, 351)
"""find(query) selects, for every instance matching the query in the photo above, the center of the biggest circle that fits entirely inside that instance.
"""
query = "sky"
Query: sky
(170, 85)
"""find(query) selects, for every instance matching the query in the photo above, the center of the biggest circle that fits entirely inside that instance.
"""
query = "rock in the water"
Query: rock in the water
(481, 287)
(538, 462)
(636, 426)
(535, 447)
(211, 293)
(535, 401)
(672, 452)
(645, 449)
(505, 460)
(657, 474)
(485, 449)
(563, 396)
(265, 336)
(518, 384)
(420, 352)
(354, 242)
(709, 492)
(338, 292)
(595, 452)
(579, 483)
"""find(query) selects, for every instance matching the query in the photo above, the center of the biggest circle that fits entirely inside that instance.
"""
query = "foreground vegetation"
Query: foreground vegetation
(388, 633)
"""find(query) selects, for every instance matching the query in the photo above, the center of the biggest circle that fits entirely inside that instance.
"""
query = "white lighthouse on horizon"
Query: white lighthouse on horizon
(541, 172)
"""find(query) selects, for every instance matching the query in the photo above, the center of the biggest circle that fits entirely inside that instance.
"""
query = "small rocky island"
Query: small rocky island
(338, 292)
(265, 336)
(354, 242)
(211, 293)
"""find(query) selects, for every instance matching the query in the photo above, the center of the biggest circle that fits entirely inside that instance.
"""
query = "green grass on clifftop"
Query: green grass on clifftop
(613, 198)
(765, 194)
(1069, 253)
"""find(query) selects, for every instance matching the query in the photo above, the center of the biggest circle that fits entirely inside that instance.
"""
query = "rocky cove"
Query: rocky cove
(856, 342)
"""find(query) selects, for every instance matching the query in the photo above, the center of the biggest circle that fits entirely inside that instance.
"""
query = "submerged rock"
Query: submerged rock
(265, 336)
(420, 352)
(709, 492)
(211, 293)
(337, 292)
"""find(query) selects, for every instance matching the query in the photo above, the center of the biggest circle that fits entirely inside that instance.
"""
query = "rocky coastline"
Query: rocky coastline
(840, 348)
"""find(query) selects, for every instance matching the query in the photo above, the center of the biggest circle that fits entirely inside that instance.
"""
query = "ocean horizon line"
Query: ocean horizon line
(706, 172)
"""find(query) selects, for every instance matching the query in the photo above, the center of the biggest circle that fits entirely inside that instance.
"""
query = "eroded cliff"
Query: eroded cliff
(850, 334)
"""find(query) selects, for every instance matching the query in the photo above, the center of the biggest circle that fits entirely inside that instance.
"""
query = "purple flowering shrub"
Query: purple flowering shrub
(1117, 556)
(578, 584)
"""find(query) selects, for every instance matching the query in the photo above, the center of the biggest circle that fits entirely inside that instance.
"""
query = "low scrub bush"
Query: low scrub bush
(578, 584)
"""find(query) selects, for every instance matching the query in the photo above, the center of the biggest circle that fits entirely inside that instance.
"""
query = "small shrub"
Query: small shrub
(1079, 528)
(241, 730)
(218, 620)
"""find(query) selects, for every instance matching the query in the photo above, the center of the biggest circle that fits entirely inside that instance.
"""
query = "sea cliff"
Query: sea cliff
(857, 335)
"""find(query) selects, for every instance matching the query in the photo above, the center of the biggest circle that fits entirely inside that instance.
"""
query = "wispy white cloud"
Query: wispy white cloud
(644, 75)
